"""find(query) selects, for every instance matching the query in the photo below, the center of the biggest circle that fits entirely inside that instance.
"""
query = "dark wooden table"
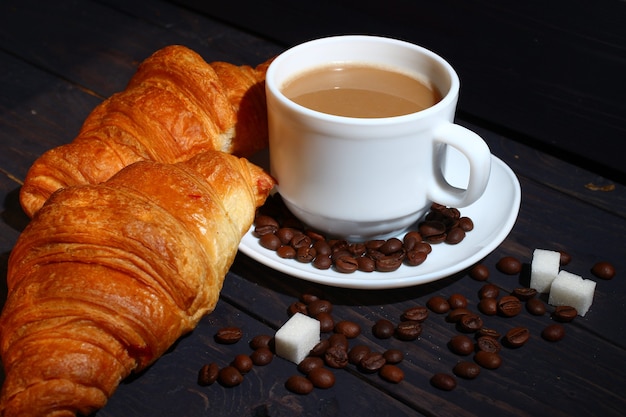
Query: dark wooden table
(59, 59)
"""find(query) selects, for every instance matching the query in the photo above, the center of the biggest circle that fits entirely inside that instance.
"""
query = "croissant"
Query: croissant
(175, 106)
(107, 277)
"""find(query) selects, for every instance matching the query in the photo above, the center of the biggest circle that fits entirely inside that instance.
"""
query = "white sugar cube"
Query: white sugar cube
(544, 269)
(297, 337)
(572, 290)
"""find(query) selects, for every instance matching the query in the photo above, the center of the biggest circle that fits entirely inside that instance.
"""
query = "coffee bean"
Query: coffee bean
(509, 306)
(357, 249)
(470, 323)
(565, 259)
(262, 356)
(228, 335)
(489, 291)
(366, 264)
(390, 246)
(229, 376)
(286, 252)
(408, 330)
(454, 316)
(305, 254)
(308, 298)
(322, 248)
(603, 270)
(487, 332)
(391, 373)
(319, 306)
(270, 241)
(415, 257)
(297, 307)
(372, 362)
(564, 314)
(339, 340)
(553, 332)
(517, 337)
(466, 224)
(346, 264)
(488, 360)
(434, 239)
(390, 263)
(466, 370)
(457, 301)
(327, 323)
(322, 378)
(536, 307)
(383, 329)
(208, 374)
(309, 363)
(509, 265)
(415, 313)
(443, 381)
(243, 363)
(357, 353)
(300, 240)
(322, 262)
(393, 356)
(431, 228)
(264, 225)
(479, 272)
(524, 293)
(348, 328)
(262, 340)
(488, 306)
(488, 344)
(285, 234)
(411, 239)
(320, 349)
(336, 357)
(299, 384)
(461, 345)
(438, 304)
(455, 235)
(315, 236)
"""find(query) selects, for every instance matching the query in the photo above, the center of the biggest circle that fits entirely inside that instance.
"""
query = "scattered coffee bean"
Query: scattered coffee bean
(262, 356)
(443, 381)
(603, 270)
(297, 307)
(489, 291)
(488, 344)
(262, 340)
(509, 306)
(229, 376)
(565, 259)
(309, 363)
(327, 322)
(383, 329)
(553, 332)
(208, 374)
(372, 362)
(479, 272)
(319, 306)
(349, 329)
(408, 330)
(416, 313)
(357, 353)
(457, 301)
(393, 356)
(516, 337)
(339, 340)
(454, 316)
(346, 264)
(322, 378)
(461, 345)
(228, 335)
(243, 363)
(336, 357)
(487, 332)
(536, 307)
(488, 306)
(299, 385)
(322, 262)
(470, 323)
(270, 241)
(366, 264)
(488, 360)
(524, 293)
(509, 265)
(264, 225)
(438, 304)
(466, 370)
(391, 373)
(320, 349)
(564, 314)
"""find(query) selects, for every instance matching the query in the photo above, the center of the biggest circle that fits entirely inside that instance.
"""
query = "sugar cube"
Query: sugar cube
(543, 269)
(572, 290)
(295, 339)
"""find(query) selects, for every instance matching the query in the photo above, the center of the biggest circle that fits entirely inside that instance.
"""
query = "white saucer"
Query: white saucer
(494, 215)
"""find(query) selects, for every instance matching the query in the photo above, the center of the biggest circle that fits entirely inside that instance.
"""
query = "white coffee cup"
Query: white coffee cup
(365, 178)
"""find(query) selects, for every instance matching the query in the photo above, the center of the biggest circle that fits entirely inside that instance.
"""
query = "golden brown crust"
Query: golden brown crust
(107, 277)
(174, 107)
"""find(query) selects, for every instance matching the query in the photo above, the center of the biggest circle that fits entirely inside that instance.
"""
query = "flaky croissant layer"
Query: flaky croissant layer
(107, 277)
(174, 107)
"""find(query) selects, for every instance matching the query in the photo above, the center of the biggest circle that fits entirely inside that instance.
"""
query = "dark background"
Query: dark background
(546, 73)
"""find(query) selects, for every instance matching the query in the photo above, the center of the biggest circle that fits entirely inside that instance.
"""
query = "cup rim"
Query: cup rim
(447, 99)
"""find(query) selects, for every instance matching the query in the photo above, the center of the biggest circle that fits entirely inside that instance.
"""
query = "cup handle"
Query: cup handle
(477, 153)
